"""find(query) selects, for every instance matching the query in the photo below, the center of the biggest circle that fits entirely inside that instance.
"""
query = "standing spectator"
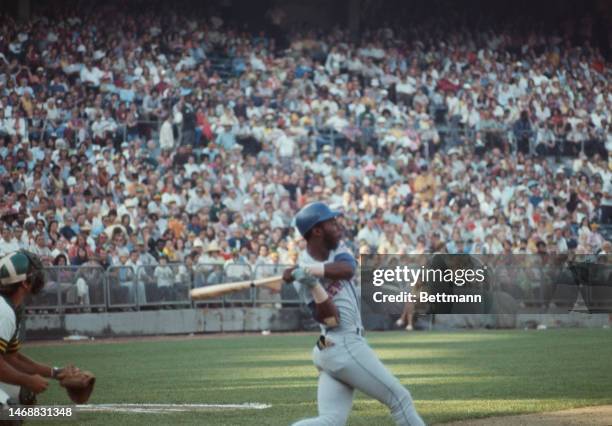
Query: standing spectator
(165, 280)
(166, 135)
(189, 122)
(211, 263)
(138, 291)
(523, 133)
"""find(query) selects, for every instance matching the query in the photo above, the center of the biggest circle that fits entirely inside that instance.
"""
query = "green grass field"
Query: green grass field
(456, 375)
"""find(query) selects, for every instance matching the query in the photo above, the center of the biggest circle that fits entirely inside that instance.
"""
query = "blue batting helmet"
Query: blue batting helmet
(312, 214)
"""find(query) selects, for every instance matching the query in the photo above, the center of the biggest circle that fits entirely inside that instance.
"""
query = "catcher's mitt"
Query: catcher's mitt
(26, 396)
(79, 384)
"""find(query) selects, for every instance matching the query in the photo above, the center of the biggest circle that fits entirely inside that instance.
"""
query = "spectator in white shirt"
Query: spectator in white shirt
(166, 135)
(90, 74)
(8, 243)
(370, 234)
(165, 279)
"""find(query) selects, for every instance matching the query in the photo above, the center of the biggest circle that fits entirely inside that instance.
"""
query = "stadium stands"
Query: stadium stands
(128, 138)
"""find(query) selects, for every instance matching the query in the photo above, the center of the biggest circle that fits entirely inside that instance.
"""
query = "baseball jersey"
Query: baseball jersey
(343, 292)
(9, 328)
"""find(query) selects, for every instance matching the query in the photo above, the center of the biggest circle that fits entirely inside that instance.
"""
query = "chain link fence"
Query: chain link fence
(75, 289)
(72, 289)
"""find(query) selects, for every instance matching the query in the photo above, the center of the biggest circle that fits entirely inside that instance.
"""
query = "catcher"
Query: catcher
(21, 379)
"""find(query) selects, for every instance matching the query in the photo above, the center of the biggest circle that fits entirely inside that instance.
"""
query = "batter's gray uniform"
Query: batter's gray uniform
(349, 363)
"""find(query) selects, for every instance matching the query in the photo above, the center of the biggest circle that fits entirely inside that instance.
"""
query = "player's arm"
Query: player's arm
(13, 376)
(341, 268)
(323, 308)
(26, 365)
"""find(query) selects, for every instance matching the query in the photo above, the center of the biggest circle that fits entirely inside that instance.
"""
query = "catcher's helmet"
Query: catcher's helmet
(312, 214)
(21, 266)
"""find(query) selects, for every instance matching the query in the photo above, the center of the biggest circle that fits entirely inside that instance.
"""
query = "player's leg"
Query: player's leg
(407, 316)
(4, 397)
(401, 321)
(11, 392)
(9, 396)
(368, 374)
(334, 400)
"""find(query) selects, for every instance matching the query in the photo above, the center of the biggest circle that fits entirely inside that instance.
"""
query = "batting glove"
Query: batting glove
(301, 276)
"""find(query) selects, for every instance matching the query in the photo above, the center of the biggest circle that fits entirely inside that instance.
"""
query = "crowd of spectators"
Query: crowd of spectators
(128, 138)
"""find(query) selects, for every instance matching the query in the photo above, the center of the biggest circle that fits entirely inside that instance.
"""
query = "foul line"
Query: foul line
(166, 408)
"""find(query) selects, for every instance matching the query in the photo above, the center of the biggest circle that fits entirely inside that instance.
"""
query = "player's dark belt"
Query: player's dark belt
(323, 343)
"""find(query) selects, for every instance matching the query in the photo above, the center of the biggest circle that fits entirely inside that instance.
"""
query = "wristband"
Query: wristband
(315, 269)
(319, 295)
(300, 275)
(55, 371)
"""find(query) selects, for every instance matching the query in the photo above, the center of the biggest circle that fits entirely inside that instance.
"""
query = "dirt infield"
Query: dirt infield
(587, 416)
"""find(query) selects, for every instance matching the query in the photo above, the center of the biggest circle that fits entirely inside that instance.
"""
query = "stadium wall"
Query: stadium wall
(186, 321)
(508, 321)
(162, 322)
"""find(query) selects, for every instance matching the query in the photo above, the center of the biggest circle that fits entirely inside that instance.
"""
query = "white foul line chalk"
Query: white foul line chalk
(166, 408)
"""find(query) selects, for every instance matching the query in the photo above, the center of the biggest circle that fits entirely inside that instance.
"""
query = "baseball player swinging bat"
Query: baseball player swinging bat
(345, 361)
(216, 290)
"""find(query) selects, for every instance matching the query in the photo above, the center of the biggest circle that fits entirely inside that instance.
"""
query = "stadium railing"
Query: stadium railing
(122, 283)
(234, 272)
(83, 289)
(287, 295)
(206, 275)
(72, 289)
(164, 286)
(80, 289)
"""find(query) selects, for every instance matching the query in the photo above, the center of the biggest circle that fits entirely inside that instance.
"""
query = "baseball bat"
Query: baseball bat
(274, 283)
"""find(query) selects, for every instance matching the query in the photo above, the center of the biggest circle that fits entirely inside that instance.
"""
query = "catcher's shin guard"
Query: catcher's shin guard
(9, 396)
